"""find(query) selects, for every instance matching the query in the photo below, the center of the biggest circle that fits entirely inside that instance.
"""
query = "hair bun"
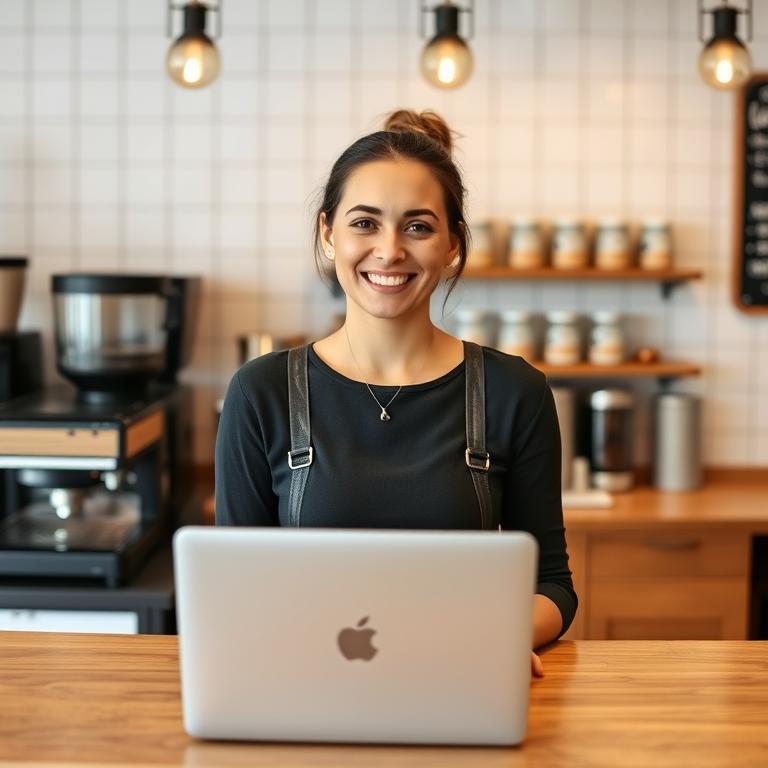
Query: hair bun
(428, 123)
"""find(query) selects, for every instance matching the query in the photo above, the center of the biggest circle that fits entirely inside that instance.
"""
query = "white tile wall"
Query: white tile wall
(590, 107)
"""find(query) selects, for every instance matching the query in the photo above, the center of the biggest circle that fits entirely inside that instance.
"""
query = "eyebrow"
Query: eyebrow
(406, 214)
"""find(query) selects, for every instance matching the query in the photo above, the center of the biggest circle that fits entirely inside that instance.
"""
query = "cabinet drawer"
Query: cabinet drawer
(667, 553)
(683, 609)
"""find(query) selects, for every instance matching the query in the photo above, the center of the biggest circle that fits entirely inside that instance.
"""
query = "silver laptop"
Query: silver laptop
(355, 636)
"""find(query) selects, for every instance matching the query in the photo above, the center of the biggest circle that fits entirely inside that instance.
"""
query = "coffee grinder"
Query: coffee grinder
(93, 478)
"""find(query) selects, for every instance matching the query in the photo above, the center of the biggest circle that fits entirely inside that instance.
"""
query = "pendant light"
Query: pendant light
(193, 60)
(446, 60)
(725, 61)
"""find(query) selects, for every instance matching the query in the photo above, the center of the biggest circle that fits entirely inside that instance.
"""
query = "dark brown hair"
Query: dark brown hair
(424, 137)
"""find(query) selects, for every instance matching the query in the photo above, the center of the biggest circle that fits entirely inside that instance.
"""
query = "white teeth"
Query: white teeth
(387, 280)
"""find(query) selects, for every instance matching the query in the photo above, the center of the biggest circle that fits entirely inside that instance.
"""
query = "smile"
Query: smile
(391, 281)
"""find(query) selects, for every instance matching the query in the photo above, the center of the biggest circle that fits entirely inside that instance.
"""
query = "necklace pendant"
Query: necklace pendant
(384, 415)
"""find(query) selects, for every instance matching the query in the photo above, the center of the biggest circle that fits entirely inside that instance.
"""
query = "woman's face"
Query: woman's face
(390, 237)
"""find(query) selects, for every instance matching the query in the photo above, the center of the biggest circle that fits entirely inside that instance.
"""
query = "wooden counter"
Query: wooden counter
(734, 503)
(114, 700)
(668, 566)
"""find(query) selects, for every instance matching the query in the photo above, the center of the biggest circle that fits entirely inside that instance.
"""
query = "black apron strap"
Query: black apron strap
(476, 456)
(301, 454)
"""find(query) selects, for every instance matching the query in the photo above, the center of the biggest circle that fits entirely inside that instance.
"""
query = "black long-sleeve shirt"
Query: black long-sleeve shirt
(408, 472)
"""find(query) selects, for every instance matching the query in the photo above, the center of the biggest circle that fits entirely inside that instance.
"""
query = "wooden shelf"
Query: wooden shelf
(661, 370)
(668, 278)
(547, 273)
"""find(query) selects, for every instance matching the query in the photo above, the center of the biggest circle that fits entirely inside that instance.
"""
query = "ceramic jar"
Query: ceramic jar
(516, 335)
(570, 247)
(562, 345)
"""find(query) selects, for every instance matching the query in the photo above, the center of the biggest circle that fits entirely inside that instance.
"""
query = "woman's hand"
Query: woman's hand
(537, 668)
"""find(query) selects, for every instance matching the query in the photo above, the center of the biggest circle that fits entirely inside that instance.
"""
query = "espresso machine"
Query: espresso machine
(94, 476)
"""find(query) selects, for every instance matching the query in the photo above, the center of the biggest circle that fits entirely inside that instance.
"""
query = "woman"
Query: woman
(387, 390)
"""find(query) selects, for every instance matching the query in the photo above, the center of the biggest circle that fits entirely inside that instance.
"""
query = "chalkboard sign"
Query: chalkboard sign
(750, 257)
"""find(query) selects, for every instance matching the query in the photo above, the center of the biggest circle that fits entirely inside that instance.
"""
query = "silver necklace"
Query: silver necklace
(384, 416)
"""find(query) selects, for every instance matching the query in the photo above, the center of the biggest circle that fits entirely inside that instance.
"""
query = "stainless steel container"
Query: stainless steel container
(112, 330)
(677, 462)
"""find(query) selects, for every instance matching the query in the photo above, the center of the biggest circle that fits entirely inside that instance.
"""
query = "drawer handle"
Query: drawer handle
(676, 545)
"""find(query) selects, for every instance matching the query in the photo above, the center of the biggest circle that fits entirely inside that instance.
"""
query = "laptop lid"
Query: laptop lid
(355, 636)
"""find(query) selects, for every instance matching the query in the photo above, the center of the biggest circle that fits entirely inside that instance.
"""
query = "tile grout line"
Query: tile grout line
(75, 118)
(29, 126)
(122, 163)
(580, 296)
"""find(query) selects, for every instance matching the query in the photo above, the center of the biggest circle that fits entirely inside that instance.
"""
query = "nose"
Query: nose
(389, 249)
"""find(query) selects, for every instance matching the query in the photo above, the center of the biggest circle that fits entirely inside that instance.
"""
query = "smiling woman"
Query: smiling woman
(390, 422)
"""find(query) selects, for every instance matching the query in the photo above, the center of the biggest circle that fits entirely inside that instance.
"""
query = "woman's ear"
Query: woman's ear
(455, 248)
(326, 234)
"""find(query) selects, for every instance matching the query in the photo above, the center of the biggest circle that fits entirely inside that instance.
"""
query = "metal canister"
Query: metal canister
(677, 462)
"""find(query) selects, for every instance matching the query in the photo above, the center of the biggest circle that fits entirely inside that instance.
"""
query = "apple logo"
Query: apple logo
(356, 643)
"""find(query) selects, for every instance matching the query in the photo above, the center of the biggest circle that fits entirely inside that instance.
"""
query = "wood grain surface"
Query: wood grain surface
(114, 700)
(587, 273)
(730, 503)
(665, 369)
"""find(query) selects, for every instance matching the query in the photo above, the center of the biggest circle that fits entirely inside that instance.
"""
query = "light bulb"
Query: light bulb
(725, 63)
(193, 71)
(193, 62)
(446, 70)
(447, 62)
(724, 71)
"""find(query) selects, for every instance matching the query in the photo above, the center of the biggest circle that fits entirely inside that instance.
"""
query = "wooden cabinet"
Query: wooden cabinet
(666, 566)
(668, 609)
(661, 585)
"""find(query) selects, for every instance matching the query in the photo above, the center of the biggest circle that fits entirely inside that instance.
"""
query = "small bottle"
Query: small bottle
(473, 325)
(655, 245)
(526, 245)
(563, 342)
(612, 245)
(570, 249)
(607, 339)
(483, 251)
(516, 335)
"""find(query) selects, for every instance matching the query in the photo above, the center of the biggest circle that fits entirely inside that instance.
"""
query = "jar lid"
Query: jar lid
(606, 317)
(525, 222)
(568, 222)
(561, 316)
(611, 223)
(515, 316)
(655, 224)
(677, 400)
